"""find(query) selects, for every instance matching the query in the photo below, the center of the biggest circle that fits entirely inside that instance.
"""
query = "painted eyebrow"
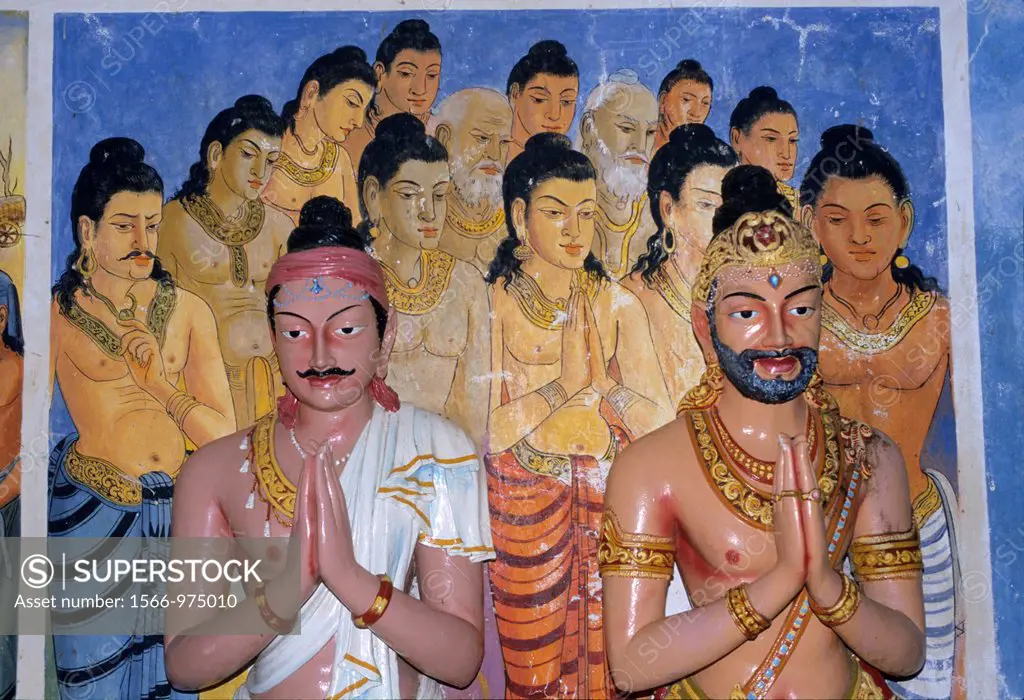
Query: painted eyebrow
(341, 311)
(808, 288)
(719, 194)
(749, 295)
(626, 117)
(254, 144)
(833, 204)
(551, 196)
(774, 131)
(355, 93)
(292, 313)
(568, 91)
(540, 88)
(878, 204)
(405, 182)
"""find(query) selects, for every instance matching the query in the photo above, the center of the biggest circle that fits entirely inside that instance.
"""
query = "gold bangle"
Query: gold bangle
(747, 618)
(379, 605)
(895, 555)
(843, 609)
(622, 398)
(179, 406)
(274, 622)
(554, 394)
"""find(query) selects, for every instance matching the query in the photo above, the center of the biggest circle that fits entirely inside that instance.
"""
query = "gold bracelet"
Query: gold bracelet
(744, 614)
(379, 605)
(179, 406)
(843, 609)
(274, 622)
(621, 398)
(631, 555)
(554, 393)
(892, 555)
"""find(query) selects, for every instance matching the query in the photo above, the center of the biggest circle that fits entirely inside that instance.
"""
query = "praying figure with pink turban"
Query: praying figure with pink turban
(382, 503)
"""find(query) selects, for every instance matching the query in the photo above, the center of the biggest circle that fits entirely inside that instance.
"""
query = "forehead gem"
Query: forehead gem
(774, 279)
(316, 287)
(765, 236)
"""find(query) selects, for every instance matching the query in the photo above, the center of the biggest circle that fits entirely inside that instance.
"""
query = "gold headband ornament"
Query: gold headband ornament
(757, 240)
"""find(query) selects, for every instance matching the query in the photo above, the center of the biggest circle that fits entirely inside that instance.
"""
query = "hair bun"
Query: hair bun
(845, 133)
(549, 47)
(254, 102)
(411, 26)
(400, 126)
(349, 54)
(545, 140)
(746, 189)
(325, 212)
(691, 135)
(117, 151)
(689, 64)
(763, 93)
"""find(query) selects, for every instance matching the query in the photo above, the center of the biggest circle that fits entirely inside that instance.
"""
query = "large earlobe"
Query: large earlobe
(734, 139)
(371, 198)
(213, 155)
(907, 214)
(86, 229)
(310, 93)
(665, 205)
(519, 219)
(513, 95)
(378, 71)
(587, 130)
(807, 218)
(443, 133)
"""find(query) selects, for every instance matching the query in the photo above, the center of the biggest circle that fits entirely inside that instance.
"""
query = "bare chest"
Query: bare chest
(212, 262)
(443, 332)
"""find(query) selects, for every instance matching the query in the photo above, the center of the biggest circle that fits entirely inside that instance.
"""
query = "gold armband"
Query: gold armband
(747, 618)
(843, 609)
(554, 393)
(629, 555)
(892, 555)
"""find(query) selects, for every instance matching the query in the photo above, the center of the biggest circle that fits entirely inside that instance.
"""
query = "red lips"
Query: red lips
(778, 365)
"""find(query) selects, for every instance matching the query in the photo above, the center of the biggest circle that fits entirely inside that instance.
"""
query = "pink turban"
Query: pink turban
(339, 262)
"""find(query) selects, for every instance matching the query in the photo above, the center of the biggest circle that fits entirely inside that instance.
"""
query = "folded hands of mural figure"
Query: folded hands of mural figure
(332, 101)
(12, 352)
(441, 351)
(475, 127)
(141, 373)
(218, 241)
(885, 356)
(778, 489)
(763, 130)
(392, 492)
(617, 131)
(684, 189)
(574, 377)
(684, 97)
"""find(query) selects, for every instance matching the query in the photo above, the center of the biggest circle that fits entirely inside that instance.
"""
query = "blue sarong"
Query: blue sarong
(10, 529)
(107, 504)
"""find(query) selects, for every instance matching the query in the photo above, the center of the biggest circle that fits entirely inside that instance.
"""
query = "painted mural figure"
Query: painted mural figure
(218, 241)
(141, 372)
(684, 189)
(371, 492)
(763, 130)
(574, 378)
(542, 89)
(475, 127)
(885, 354)
(442, 350)
(333, 97)
(12, 358)
(684, 97)
(408, 72)
(778, 489)
(617, 132)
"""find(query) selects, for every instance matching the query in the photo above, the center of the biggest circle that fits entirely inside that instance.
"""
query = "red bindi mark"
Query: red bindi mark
(732, 556)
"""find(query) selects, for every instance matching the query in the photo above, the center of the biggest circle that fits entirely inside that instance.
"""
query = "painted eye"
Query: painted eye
(802, 310)
(293, 334)
(348, 331)
(538, 100)
(586, 215)
(835, 220)
(745, 314)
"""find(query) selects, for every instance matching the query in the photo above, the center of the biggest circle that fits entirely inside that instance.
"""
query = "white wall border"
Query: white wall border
(966, 363)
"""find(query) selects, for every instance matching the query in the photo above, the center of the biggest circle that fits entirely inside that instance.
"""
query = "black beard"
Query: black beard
(333, 371)
(739, 370)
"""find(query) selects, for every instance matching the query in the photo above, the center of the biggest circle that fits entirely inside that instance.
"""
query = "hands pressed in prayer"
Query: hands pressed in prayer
(335, 554)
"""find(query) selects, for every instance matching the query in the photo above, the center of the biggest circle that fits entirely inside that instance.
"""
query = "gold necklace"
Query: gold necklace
(628, 230)
(157, 317)
(436, 269)
(233, 235)
(753, 507)
(470, 229)
(679, 300)
(127, 314)
(310, 177)
(869, 321)
(270, 485)
(543, 311)
(919, 306)
(757, 469)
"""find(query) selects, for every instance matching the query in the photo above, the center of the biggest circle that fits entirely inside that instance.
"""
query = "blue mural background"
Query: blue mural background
(995, 30)
(161, 77)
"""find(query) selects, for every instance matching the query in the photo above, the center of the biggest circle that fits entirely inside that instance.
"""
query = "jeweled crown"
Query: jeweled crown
(759, 239)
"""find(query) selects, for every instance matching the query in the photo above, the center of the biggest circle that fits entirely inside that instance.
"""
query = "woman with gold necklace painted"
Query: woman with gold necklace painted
(218, 241)
(885, 349)
(574, 378)
(441, 352)
(684, 187)
(333, 97)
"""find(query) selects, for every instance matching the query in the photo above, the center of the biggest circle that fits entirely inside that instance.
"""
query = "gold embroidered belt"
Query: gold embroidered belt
(558, 466)
(102, 477)
(862, 687)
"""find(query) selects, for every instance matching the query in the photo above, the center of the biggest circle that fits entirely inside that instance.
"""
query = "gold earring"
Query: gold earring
(824, 259)
(86, 264)
(374, 232)
(668, 241)
(901, 261)
(522, 252)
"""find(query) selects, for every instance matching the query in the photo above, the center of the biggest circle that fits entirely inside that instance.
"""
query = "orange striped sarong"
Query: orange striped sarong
(545, 582)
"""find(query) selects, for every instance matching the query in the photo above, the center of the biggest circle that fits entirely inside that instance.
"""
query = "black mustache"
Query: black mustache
(751, 355)
(139, 253)
(320, 374)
